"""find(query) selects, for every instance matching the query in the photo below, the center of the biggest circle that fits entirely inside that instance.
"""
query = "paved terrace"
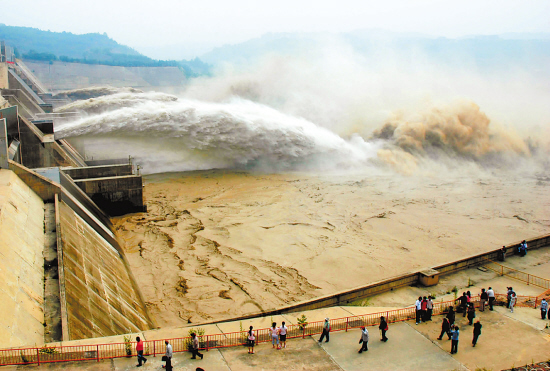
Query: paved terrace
(507, 339)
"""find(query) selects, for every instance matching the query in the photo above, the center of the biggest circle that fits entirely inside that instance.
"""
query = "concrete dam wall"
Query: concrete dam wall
(96, 286)
(21, 263)
(66, 76)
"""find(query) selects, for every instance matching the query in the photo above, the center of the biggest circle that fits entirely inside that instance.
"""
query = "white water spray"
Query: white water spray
(166, 135)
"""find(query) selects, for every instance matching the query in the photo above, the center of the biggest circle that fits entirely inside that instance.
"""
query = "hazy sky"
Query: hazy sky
(199, 25)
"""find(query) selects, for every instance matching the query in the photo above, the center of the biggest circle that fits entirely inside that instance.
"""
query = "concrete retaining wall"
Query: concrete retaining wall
(4, 76)
(21, 263)
(67, 76)
(115, 195)
(98, 171)
(100, 298)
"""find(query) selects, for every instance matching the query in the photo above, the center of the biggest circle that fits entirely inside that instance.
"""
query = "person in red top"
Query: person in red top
(424, 308)
(139, 350)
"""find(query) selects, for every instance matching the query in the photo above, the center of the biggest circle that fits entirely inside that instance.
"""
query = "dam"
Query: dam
(68, 277)
(65, 276)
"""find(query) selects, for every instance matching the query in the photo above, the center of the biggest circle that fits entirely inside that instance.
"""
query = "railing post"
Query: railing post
(207, 343)
(97, 352)
(347, 322)
(154, 348)
(38, 355)
(527, 279)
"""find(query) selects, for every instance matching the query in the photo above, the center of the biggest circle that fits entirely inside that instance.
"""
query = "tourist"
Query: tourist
(477, 332)
(471, 313)
(430, 308)
(282, 335)
(523, 248)
(275, 335)
(424, 307)
(167, 356)
(543, 309)
(454, 340)
(482, 300)
(502, 254)
(195, 346)
(383, 328)
(326, 331)
(463, 304)
(491, 295)
(451, 316)
(418, 306)
(513, 299)
(139, 350)
(251, 341)
(364, 339)
(445, 329)
(509, 296)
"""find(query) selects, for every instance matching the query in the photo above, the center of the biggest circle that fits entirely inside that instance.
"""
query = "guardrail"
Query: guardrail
(98, 352)
(518, 275)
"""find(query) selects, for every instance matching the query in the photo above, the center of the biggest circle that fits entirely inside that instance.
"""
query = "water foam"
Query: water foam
(165, 135)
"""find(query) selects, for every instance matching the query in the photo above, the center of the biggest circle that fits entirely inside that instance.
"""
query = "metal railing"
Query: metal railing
(517, 275)
(206, 342)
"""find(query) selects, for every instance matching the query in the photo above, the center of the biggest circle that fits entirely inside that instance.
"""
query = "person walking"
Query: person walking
(167, 356)
(509, 296)
(282, 335)
(454, 340)
(445, 329)
(418, 306)
(430, 308)
(483, 297)
(543, 309)
(139, 350)
(491, 295)
(383, 328)
(463, 304)
(451, 316)
(364, 341)
(195, 346)
(326, 331)
(275, 335)
(251, 340)
(513, 299)
(471, 313)
(477, 332)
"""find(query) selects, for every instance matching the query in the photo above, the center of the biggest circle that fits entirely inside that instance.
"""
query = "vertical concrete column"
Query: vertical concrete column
(3, 144)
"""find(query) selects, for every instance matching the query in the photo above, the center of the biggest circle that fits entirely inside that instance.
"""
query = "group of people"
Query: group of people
(522, 248)
(449, 328)
(511, 298)
(278, 336)
(424, 308)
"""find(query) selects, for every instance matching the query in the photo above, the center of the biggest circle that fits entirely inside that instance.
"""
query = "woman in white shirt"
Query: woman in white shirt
(274, 335)
(282, 335)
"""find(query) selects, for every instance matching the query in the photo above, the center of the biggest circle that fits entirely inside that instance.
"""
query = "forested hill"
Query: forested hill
(94, 48)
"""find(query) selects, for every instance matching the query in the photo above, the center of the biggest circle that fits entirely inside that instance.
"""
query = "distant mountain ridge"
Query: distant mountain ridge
(93, 48)
(523, 50)
(26, 39)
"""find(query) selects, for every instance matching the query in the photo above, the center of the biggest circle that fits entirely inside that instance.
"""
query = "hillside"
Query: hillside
(530, 51)
(94, 48)
(90, 46)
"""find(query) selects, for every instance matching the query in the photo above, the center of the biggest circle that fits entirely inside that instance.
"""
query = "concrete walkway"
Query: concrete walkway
(507, 339)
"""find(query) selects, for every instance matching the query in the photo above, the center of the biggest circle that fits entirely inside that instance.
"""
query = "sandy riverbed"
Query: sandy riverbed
(216, 244)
